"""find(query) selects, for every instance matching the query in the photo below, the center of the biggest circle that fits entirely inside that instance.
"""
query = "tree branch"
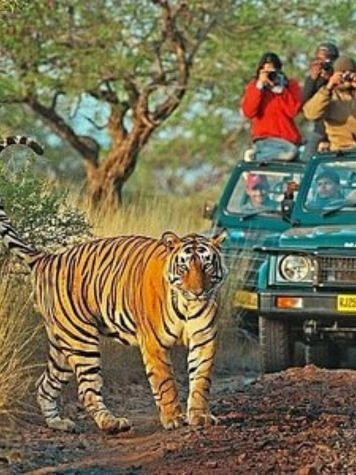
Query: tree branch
(107, 95)
(201, 36)
(97, 126)
(172, 33)
(89, 150)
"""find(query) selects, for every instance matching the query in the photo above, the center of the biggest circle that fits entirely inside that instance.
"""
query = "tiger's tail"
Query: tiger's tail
(10, 237)
(21, 140)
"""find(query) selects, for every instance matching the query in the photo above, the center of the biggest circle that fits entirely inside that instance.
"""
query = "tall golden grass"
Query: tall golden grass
(17, 348)
(150, 216)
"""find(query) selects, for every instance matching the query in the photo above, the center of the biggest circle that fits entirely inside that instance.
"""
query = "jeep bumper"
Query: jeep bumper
(294, 305)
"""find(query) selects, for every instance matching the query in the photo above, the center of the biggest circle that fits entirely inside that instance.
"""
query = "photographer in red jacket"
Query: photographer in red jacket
(271, 101)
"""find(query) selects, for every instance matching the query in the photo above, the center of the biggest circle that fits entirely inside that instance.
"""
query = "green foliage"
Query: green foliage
(12, 5)
(39, 209)
(61, 45)
(73, 46)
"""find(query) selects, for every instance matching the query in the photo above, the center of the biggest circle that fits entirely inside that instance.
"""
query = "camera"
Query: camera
(347, 76)
(278, 78)
(327, 66)
(273, 76)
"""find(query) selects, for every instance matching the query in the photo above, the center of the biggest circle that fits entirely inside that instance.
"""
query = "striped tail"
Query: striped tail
(14, 243)
(21, 140)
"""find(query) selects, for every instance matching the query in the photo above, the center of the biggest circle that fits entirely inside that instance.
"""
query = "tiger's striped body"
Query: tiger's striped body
(154, 293)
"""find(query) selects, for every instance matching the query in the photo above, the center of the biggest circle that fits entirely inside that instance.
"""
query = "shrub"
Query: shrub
(40, 211)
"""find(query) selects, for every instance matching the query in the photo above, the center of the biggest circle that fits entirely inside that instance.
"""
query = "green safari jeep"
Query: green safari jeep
(307, 283)
(249, 222)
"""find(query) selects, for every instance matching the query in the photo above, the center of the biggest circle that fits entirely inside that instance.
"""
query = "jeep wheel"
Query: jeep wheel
(274, 345)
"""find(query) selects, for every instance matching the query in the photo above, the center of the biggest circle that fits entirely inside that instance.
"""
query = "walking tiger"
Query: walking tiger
(143, 291)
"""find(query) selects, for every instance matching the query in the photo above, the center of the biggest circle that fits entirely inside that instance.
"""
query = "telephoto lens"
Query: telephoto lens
(327, 67)
(273, 76)
(278, 78)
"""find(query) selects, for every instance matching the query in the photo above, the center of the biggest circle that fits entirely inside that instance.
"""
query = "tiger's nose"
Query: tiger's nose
(199, 291)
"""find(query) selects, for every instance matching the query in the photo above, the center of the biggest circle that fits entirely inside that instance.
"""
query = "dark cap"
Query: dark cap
(329, 175)
(330, 49)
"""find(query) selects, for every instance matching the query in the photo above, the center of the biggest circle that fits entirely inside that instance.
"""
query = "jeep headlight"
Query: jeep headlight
(296, 268)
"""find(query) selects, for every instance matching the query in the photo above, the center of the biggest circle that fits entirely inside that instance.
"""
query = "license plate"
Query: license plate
(346, 303)
(246, 299)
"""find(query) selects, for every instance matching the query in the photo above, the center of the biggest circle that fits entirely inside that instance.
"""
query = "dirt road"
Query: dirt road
(300, 421)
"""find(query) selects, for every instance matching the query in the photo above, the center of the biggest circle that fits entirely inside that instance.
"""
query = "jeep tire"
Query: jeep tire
(274, 337)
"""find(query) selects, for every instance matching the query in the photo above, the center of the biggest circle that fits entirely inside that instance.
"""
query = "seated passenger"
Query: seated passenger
(328, 191)
(271, 101)
(257, 189)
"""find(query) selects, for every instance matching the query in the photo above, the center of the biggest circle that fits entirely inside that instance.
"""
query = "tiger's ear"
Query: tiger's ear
(170, 240)
(218, 239)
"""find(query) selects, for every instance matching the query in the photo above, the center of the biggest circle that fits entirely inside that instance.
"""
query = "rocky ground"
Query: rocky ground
(301, 421)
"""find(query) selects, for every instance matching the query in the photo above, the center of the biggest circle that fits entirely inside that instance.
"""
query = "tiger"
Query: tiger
(21, 140)
(153, 293)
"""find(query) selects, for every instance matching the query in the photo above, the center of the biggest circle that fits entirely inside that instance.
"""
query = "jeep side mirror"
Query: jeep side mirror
(287, 203)
(209, 210)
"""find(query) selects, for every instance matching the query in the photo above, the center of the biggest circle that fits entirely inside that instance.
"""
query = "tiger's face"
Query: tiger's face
(195, 267)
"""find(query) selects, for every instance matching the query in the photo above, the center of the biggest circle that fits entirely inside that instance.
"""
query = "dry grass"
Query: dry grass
(17, 348)
(150, 216)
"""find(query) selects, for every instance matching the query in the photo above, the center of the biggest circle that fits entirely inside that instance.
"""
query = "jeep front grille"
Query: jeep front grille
(337, 270)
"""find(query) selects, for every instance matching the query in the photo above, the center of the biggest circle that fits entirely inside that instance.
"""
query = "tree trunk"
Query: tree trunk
(102, 189)
(107, 179)
(105, 182)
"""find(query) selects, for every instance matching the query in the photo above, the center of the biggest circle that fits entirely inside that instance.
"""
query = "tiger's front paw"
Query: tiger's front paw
(201, 418)
(173, 422)
(113, 425)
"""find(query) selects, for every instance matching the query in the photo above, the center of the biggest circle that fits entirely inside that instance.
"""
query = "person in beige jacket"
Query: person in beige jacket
(335, 103)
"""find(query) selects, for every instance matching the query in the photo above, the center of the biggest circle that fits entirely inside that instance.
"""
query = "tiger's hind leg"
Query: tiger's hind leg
(49, 386)
(86, 365)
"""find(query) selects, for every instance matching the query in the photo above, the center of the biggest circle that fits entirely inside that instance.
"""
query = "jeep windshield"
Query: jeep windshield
(332, 188)
(259, 192)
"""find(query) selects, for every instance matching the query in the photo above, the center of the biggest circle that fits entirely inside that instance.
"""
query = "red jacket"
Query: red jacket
(272, 114)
